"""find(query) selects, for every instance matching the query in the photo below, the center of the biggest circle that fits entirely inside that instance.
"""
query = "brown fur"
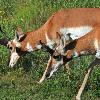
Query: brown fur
(64, 18)
(86, 43)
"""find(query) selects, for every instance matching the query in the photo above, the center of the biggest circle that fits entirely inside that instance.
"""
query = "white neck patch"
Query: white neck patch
(13, 59)
(29, 47)
(96, 44)
(76, 32)
(50, 43)
(39, 46)
(55, 67)
(16, 43)
(75, 54)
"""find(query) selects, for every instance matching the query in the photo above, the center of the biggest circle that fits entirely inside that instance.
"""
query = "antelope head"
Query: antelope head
(15, 47)
(55, 61)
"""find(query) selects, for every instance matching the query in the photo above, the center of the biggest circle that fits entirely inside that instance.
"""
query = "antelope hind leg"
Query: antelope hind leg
(90, 68)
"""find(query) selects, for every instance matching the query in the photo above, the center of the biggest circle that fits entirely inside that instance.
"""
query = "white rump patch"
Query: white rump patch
(75, 32)
(16, 43)
(29, 47)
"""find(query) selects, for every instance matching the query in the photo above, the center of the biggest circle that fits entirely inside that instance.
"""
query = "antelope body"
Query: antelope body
(86, 45)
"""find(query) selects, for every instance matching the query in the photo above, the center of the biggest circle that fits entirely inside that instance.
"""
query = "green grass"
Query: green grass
(20, 83)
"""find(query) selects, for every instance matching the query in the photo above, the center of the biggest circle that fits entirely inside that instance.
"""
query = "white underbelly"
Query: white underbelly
(76, 32)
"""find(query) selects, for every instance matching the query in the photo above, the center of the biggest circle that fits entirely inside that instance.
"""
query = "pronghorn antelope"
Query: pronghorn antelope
(86, 45)
(62, 27)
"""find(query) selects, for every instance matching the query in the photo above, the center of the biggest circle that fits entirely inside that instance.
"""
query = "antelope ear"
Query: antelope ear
(18, 34)
(69, 35)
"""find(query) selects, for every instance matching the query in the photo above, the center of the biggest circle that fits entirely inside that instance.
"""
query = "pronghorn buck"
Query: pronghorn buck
(86, 45)
(61, 28)
(77, 23)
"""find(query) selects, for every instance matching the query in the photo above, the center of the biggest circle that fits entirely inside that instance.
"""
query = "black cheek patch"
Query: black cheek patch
(18, 50)
(22, 38)
(57, 57)
(47, 48)
(70, 46)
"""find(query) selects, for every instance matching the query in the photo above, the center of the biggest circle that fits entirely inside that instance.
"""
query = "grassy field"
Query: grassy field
(20, 82)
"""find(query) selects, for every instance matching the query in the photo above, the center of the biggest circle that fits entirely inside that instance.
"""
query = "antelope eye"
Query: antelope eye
(17, 49)
(10, 48)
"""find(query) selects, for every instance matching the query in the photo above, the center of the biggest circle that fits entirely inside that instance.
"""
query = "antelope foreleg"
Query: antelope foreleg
(46, 71)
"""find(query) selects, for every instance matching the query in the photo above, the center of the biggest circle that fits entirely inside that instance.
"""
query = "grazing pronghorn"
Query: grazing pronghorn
(62, 27)
(86, 45)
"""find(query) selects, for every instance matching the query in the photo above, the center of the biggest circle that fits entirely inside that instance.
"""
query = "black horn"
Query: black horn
(48, 49)
(2, 32)
(3, 41)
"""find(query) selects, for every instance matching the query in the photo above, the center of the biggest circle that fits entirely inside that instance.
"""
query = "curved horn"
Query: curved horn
(3, 41)
(49, 50)
(2, 32)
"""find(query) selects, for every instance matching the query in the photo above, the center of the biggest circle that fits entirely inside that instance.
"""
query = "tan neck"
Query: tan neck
(33, 39)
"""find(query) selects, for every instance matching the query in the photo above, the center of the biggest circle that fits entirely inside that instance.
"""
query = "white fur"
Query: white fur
(50, 43)
(29, 47)
(96, 44)
(55, 67)
(76, 32)
(83, 52)
(75, 54)
(39, 46)
(13, 59)
(16, 43)
(98, 54)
